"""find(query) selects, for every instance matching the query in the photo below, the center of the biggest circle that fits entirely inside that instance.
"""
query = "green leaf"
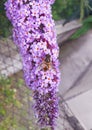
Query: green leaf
(2, 111)
(80, 32)
(88, 20)
(87, 24)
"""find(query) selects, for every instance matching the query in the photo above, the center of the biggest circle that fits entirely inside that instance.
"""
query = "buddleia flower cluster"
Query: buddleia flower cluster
(34, 34)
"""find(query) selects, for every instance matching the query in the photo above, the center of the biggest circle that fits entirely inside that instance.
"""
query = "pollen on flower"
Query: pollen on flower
(48, 78)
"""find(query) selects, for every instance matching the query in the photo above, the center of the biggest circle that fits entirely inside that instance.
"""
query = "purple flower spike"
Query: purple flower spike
(33, 33)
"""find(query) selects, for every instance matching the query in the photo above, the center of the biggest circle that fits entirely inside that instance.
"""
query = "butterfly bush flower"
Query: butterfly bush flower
(34, 34)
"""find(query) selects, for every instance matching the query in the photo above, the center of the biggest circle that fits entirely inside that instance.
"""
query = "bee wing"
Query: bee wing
(41, 66)
(53, 68)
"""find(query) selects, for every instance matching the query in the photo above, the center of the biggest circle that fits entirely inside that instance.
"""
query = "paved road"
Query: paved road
(76, 78)
(82, 108)
(76, 66)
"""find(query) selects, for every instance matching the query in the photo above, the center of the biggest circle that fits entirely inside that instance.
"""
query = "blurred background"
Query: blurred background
(73, 20)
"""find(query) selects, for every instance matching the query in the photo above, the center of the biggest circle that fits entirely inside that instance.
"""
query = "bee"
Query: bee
(46, 63)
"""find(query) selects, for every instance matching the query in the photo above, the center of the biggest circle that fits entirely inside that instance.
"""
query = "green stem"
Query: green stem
(82, 10)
